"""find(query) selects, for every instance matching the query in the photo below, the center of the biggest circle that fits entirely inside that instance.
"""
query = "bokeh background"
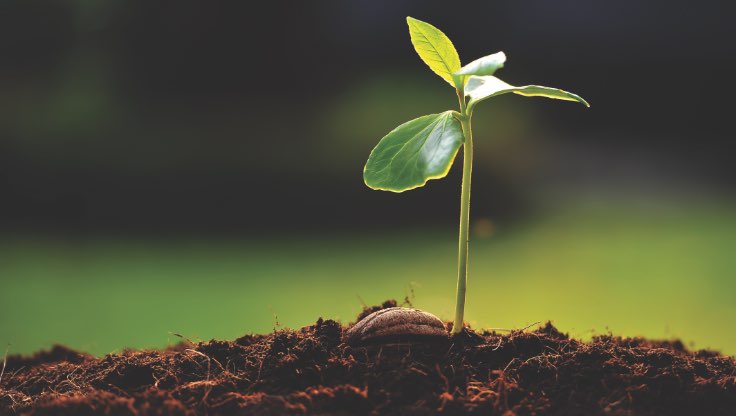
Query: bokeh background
(195, 168)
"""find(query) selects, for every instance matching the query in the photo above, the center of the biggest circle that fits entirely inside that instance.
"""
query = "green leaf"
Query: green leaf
(486, 65)
(480, 88)
(435, 49)
(413, 153)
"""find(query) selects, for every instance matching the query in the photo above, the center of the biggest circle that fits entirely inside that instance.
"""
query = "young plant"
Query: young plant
(424, 148)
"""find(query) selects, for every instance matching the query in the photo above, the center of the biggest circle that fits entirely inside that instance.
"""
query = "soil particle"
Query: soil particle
(310, 371)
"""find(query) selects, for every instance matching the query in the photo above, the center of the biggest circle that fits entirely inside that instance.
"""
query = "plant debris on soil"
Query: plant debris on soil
(311, 371)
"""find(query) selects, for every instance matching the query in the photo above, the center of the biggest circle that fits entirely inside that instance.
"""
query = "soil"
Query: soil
(310, 371)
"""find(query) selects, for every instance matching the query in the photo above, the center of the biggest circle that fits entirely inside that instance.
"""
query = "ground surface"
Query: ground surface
(309, 371)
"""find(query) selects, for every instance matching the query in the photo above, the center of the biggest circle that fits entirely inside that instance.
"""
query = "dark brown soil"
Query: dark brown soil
(309, 371)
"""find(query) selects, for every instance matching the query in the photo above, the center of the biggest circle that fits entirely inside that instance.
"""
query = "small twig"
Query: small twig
(180, 336)
(500, 339)
(508, 365)
(530, 325)
(515, 330)
(208, 387)
(18, 370)
(5, 362)
(209, 361)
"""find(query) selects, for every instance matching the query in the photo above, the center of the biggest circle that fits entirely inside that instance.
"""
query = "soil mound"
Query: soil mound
(310, 371)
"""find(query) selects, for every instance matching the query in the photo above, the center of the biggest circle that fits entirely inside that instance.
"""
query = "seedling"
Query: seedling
(424, 148)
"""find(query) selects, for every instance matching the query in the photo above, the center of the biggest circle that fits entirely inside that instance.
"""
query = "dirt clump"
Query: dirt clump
(311, 371)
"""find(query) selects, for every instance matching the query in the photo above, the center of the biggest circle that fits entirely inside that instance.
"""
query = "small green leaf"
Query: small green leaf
(435, 49)
(413, 153)
(480, 88)
(486, 65)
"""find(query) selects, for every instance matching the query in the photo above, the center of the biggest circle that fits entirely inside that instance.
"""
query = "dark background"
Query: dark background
(196, 168)
(239, 117)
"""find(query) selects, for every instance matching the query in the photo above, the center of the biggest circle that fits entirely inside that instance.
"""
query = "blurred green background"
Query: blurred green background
(195, 168)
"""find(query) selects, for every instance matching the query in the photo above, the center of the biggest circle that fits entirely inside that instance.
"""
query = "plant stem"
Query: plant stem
(462, 255)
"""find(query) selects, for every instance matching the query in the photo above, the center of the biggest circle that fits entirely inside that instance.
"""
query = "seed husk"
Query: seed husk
(397, 324)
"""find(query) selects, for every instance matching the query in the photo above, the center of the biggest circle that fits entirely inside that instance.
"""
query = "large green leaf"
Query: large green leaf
(480, 88)
(435, 49)
(486, 65)
(413, 153)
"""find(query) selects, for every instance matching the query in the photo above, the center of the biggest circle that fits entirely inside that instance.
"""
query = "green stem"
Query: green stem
(462, 255)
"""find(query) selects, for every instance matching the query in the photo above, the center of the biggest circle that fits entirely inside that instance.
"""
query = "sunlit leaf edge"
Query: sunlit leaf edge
(496, 87)
(486, 65)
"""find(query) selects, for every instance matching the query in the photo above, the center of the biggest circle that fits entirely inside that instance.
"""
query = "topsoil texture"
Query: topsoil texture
(309, 371)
